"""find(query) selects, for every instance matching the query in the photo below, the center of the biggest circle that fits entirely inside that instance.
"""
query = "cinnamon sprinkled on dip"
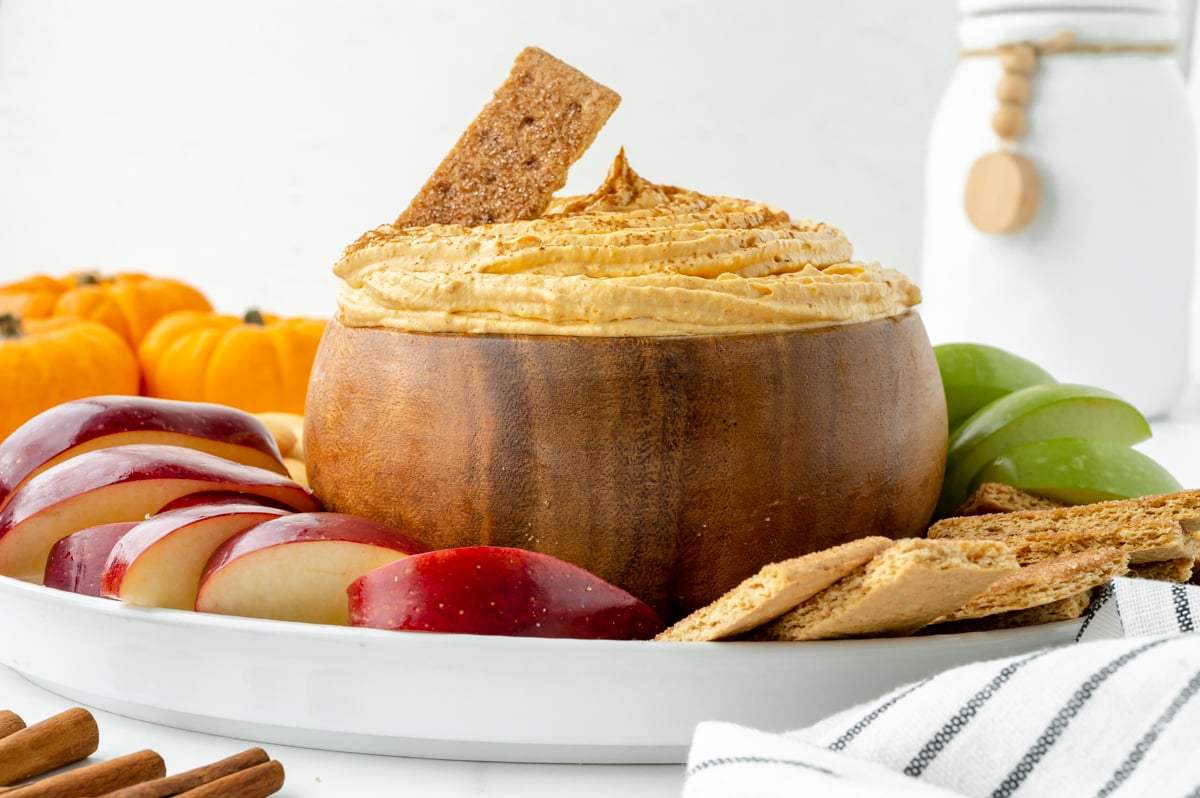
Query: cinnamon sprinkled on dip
(632, 259)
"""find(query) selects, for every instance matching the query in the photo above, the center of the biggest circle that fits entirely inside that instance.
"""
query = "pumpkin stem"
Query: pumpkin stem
(88, 278)
(10, 326)
(254, 316)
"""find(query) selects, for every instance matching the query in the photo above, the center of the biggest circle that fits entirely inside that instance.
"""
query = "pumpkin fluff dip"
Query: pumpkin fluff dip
(631, 259)
(665, 388)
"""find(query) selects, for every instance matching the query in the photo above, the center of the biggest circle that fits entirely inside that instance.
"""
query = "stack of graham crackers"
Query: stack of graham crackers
(1008, 559)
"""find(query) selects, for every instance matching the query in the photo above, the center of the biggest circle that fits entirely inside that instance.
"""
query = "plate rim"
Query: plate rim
(334, 633)
(484, 698)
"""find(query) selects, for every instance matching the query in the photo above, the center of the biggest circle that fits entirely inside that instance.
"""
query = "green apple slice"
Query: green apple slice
(975, 375)
(1078, 471)
(1039, 412)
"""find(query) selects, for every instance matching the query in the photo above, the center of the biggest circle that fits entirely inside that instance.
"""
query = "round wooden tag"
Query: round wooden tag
(1003, 191)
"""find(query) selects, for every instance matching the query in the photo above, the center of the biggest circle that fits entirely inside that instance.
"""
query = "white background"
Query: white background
(243, 144)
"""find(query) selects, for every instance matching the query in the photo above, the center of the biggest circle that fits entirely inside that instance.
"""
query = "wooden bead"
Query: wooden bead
(1009, 122)
(1002, 193)
(1013, 89)
(1019, 59)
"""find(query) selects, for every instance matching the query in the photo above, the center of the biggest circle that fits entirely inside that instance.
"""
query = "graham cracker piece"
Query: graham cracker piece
(901, 590)
(516, 153)
(775, 589)
(996, 497)
(1177, 570)
(1043, 583)
(1066, 609)
(1144, 541)
(1182, 507)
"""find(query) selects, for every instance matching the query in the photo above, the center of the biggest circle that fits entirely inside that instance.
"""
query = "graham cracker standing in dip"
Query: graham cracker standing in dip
(517, 152)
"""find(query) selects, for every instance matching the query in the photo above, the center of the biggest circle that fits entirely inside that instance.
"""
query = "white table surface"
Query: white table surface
(337, 775)
(1176, 444)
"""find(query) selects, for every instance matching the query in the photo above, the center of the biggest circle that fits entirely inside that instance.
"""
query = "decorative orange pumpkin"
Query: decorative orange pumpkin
(33, 297)
(45, 362)
(129, 304)
(257, 362)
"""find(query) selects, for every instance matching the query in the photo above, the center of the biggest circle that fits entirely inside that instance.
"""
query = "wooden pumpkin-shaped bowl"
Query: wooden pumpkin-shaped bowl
(673, 467)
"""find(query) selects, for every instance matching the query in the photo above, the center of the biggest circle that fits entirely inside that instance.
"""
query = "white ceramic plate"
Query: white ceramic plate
(452, 696)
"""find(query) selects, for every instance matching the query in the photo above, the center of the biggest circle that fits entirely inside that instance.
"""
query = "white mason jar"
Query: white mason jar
(1097, 288)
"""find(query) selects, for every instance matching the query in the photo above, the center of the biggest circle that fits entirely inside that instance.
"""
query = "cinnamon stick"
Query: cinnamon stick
(10, 722)
(59, 740)
(191, 779)
(94, 779)
(254, 782)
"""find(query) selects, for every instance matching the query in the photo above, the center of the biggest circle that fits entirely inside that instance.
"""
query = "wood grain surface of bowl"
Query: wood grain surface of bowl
(673, 467)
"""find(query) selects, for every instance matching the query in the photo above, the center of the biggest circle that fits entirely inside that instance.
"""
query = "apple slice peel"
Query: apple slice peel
(159, 562)
(122, 483)
(1056, 410)
(76, 563)
(1078, 471)
(99, 422)
(298, 567)
(974, 375)
(495, 590)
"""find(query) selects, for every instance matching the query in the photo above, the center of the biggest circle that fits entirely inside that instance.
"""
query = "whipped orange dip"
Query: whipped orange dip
(631, 259)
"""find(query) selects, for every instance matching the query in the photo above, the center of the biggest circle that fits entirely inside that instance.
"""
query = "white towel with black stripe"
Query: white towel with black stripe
(1115, 714)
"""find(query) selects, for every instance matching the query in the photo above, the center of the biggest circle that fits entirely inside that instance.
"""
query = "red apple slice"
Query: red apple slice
(297, 568)
(76, 562)
(491, 590)
(159, 562)
(99, 422)
(212, 497)
(124, 483)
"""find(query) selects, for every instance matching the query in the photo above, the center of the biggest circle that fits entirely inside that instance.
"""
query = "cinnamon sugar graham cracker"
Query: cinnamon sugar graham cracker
(1067, 609)
(900, 590)
(516, 153)
(996, 497)
(1148, 537)
(1044, 583)
(1182, 507)
(1179, 569)
(1145, 542)
(775, 589)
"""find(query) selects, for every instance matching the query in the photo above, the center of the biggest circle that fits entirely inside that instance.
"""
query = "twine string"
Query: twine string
(1064, 43)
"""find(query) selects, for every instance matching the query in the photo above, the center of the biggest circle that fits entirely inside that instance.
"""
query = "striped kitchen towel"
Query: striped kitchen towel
(1114, 714)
